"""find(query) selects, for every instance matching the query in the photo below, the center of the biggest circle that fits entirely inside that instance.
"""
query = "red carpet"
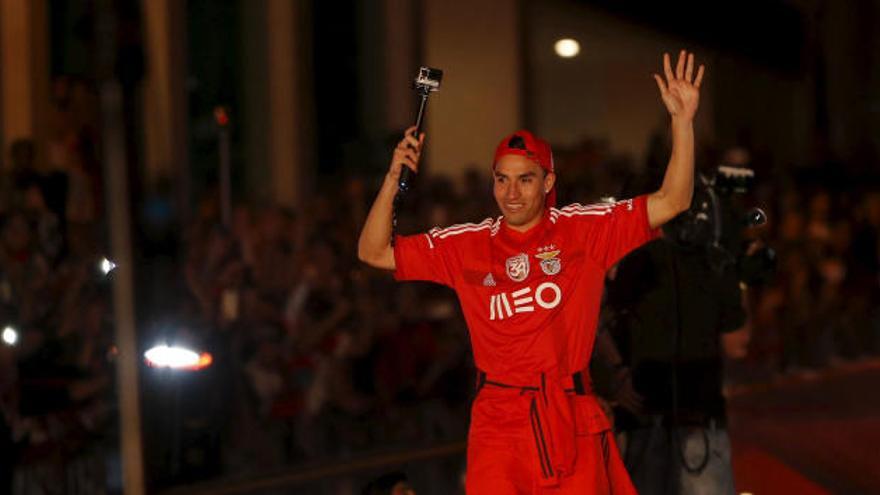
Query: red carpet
(759, 473)
(816, 435)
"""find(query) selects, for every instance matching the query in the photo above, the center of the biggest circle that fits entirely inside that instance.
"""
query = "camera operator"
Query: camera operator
(675, 312)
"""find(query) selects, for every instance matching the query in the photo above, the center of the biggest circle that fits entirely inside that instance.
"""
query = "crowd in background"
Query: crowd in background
(823, 306)
(330, 357)
(57, 406)
(317, 355)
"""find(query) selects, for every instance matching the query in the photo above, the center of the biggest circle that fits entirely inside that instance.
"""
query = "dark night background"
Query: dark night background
(326, 373)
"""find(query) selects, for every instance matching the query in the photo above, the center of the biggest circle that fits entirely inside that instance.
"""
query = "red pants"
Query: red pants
(508, 470)
(541, 440)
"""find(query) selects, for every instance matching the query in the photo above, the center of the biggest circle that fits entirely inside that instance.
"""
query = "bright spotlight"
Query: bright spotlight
(10, 336)
(106, 266)
(567, 48)
(177, 358)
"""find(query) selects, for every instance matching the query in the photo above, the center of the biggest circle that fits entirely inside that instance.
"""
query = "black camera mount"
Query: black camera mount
(426, 82)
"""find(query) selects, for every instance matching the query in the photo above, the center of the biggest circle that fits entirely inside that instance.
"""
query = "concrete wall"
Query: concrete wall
(607, 91)
(477, 45)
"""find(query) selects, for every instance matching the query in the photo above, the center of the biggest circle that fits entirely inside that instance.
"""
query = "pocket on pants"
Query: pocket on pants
(589, 418)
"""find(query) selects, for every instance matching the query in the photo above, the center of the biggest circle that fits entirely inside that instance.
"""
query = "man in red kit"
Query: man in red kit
(530, 283)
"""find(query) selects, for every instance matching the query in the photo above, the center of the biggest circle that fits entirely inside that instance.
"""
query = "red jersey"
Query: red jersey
(531, 302)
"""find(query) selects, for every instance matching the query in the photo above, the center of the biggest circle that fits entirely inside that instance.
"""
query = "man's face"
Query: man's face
(520, 188)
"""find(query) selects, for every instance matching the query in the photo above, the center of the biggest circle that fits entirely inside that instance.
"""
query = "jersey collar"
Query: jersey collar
(528, 235)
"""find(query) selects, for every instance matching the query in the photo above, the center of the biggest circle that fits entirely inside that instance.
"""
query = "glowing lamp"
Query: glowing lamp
(567, 48)
(177, 358)
(106, 266)
(9, 336)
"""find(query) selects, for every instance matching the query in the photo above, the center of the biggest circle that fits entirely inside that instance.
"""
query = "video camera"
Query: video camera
(715, 222)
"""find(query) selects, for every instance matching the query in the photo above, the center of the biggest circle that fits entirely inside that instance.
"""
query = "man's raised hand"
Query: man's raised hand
(681, 90)
(406, 154)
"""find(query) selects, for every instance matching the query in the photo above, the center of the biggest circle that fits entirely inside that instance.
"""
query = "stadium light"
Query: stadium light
(177, 358)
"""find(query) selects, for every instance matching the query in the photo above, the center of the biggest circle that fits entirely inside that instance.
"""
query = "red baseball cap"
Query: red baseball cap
(524, 143)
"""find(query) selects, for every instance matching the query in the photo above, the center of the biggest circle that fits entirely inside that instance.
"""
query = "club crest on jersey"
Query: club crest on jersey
(518, 267)
(550, 263)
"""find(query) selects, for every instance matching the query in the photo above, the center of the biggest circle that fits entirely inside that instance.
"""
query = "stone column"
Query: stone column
(24, 54)
(290, 114)
(165, 99)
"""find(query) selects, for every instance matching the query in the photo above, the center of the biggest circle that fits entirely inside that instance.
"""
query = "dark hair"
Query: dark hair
(517, 142)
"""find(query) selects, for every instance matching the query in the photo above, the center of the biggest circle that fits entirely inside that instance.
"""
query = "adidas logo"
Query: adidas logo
(489, 281)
